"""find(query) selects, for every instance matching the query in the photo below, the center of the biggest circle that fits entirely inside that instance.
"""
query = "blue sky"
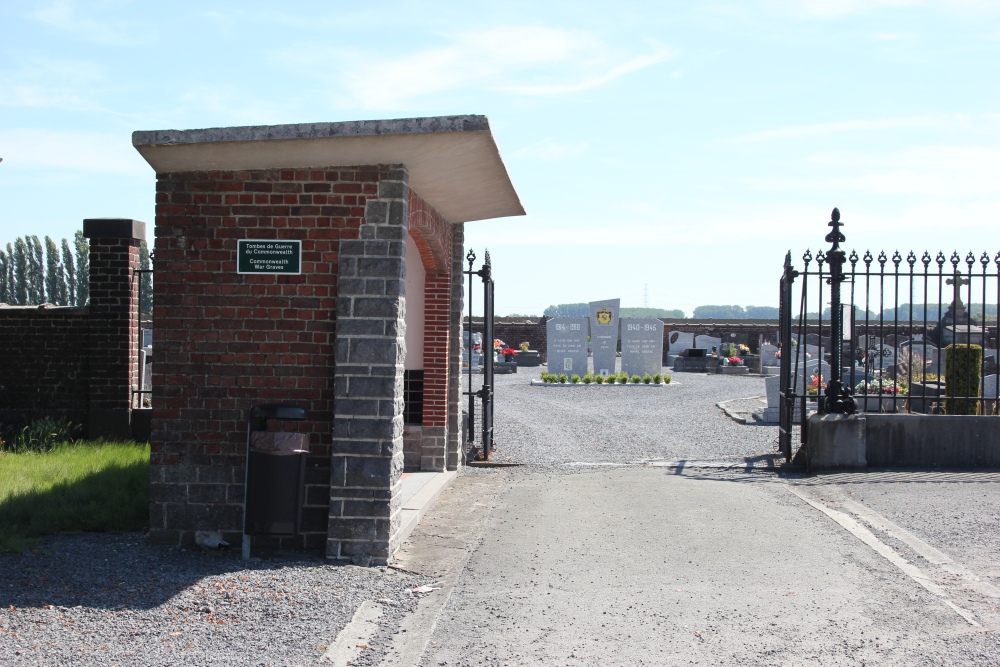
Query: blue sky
(666, 152)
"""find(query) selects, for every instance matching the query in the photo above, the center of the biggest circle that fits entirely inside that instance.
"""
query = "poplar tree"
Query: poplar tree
(20, 281)
(82, 268)
(37, 271)
(55, 283)
(4, 293)
(10, 275)
(145, 283)
(69, 268)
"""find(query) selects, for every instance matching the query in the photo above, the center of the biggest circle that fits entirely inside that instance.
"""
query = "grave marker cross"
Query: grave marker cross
(957, 282)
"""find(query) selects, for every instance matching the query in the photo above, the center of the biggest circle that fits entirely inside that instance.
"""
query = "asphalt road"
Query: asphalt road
(644, 564)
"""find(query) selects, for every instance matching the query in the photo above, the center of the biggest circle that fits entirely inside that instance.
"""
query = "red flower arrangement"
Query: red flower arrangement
(735, 361)
(508, 352)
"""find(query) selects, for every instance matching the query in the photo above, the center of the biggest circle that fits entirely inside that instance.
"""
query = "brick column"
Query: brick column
(454, 446)
(367, 459)
(114, 323)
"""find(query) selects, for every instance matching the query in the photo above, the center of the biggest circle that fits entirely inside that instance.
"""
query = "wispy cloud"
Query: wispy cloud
(78, 151)
(828, 9)
(519, 60)
(68, 18)
(549, 150)
(945, 172)
(43, 82)
(939, 122)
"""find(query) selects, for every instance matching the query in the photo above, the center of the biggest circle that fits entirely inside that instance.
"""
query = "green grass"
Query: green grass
(88, 486)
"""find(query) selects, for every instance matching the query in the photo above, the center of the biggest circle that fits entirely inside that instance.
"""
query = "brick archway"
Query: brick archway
(432, 235)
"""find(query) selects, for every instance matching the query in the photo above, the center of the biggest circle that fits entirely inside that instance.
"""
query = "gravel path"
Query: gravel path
(117, 600)
(623, 424)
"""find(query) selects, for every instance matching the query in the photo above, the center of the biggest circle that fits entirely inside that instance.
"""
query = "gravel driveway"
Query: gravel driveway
(594, 424)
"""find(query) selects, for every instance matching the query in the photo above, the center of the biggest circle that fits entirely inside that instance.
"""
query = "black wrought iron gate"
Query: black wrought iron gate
(484, 421)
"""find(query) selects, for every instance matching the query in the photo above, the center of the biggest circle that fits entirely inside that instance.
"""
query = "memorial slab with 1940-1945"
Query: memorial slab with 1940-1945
(642, 346)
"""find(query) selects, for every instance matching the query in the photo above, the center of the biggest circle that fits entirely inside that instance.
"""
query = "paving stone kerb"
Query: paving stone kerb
(332, 339)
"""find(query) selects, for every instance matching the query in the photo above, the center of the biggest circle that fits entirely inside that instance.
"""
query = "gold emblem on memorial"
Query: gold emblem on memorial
(604, 316)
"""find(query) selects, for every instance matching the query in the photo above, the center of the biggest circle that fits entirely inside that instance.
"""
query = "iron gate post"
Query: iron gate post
(786, 400)
(838, 399)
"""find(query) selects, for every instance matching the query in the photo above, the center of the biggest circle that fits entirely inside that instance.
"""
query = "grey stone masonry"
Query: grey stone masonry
(454, 447)
(367, 456)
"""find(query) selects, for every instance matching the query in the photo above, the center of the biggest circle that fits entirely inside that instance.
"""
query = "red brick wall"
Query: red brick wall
(44, 362)
(225, 342)
(432, 235)
(79, 363)
(114, 329)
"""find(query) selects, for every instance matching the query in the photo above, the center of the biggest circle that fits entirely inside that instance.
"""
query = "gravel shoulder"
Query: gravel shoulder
(97, 599)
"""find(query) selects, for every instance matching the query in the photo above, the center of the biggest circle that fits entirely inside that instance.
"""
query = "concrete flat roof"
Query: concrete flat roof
(453, 161)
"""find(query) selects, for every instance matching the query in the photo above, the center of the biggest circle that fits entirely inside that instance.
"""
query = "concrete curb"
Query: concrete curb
(414, 509)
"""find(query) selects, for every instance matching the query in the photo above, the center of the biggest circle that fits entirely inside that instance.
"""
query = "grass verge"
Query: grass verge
(88, 486)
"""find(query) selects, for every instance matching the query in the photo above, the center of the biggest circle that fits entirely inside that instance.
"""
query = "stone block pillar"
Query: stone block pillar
(454, 445)
(114, 323)
(367, 456)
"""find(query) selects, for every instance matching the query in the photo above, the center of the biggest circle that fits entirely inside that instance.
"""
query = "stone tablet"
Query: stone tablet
(768, 355)
(772, 385)
(988, 386)
(642, 346)
(708, 342)
(678, 341)
(604, 335)
(567, 345)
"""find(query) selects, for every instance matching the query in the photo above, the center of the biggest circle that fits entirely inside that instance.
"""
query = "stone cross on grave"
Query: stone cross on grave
(957, 282)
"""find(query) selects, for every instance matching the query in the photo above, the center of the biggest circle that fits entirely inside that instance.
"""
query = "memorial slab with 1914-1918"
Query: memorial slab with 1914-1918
(567, 345)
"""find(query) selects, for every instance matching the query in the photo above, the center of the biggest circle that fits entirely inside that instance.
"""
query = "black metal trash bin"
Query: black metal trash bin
(275, 475)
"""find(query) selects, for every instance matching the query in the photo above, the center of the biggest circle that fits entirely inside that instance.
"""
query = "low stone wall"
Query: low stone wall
(901, 440)
(932, 441)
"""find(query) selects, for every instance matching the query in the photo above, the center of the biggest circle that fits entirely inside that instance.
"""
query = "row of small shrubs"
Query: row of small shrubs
(613, 378)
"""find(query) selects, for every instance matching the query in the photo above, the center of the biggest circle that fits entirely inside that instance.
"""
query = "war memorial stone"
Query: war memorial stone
(604, 334)
(642, 346)
(567, 345)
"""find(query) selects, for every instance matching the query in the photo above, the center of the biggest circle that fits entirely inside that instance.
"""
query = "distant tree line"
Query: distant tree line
(33, 272)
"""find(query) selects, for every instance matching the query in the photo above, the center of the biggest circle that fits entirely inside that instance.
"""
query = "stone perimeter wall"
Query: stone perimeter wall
(516, 331)
(79, 363)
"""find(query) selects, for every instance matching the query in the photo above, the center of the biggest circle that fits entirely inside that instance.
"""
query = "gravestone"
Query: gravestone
(963, 334)
(881, 355)
(642, 346)
(679, 341)
(604, 335)
(768, 355)
(567, 345)
(772, 386)
(708, 342)
(988, 387)
(735, 338)
(812, 368)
